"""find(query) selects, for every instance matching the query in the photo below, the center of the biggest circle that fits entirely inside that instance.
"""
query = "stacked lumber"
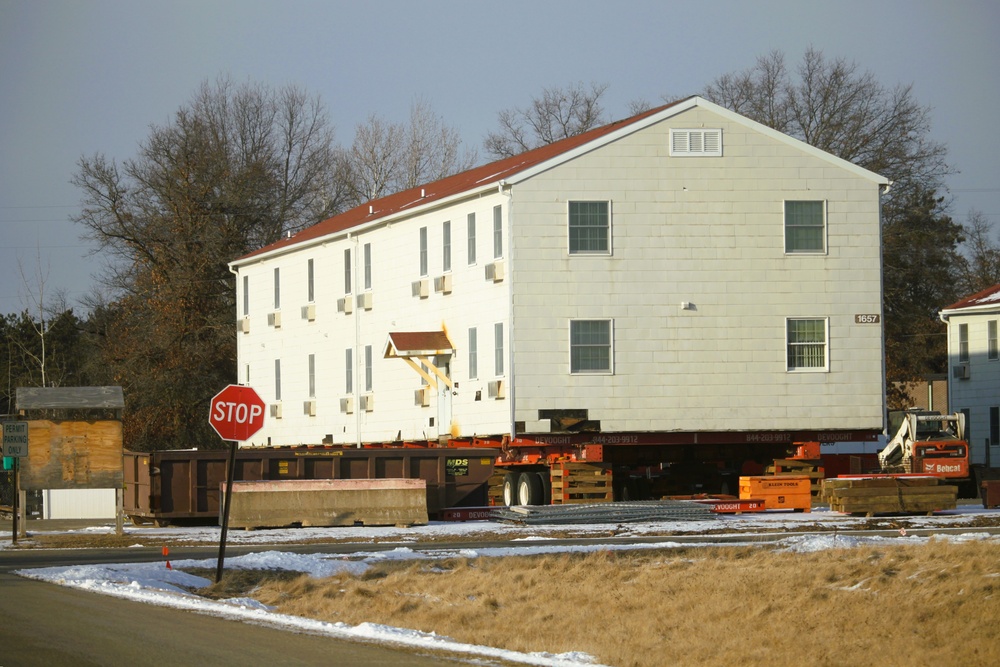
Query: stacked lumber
(799, 468)
(494, 486)
(581, 483)
(886, 494)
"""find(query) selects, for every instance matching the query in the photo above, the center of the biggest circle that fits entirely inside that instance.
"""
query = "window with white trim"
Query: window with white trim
(446, 246)
(992, 350)
(806, 342)
(368, 266)
(277, 379)
(696, 143)
(349, 371)
(310, 281)
(423, 251)
(470, 226)
(277, 289)
(497, 232)
(473, 353)
(589, 227)
(498, 349)
(312, 376)
(805, 227)
(590, 345)
(963, 342)
(246, 295)
(347, 271)
(368, 367)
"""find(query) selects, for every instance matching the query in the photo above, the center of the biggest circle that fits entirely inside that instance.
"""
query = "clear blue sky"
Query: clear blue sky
(79, 77)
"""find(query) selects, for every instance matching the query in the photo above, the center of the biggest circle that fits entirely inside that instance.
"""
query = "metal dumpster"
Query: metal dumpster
(176, 485)
(991, 493)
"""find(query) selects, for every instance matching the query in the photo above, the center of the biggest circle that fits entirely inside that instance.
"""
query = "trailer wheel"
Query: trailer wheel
(546, 487)
(529, 489)
(510, 488)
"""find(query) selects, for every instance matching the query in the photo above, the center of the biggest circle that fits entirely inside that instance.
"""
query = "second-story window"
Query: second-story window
(589, 228)
(963, 342)
(446, 246)
(497, 232)
(423, 251)
(310, 282)
(368, 266)
(277, 289)
(246, 295)
(347, 271)
(470, 225)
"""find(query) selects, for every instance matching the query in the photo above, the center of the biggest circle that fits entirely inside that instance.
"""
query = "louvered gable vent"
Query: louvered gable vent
(695, 142)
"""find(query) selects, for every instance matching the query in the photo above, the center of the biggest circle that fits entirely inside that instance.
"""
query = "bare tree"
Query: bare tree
(835, 106)
(235, 169)
(557, 114)
(981, 268)
(388, 157)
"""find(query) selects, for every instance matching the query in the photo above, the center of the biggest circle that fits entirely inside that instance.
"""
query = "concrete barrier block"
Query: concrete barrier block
(327, 502)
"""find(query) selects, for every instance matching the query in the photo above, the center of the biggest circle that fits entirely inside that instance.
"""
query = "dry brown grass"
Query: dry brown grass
(933, 604)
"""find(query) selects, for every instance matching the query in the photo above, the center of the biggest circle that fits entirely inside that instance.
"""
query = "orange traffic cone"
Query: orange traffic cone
(166, 553)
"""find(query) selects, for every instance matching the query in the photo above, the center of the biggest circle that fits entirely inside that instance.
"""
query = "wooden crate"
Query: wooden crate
(799, 468)
(495, 487)
(784, 492)
(889, 495)
(581, 483)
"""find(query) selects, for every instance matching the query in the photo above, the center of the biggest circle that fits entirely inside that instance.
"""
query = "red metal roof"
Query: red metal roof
(407, 342)
(450, 185)
(989, 296)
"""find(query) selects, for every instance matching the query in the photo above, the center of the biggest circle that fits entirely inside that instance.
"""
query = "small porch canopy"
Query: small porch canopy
(418, 347)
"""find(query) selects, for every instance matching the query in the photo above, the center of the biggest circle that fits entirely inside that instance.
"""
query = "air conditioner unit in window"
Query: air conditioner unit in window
(309, 312)
(422, 397)
(443, 284)
(365, 300)
(347, 405)
(243, 325)
(276, 411)
(961, 372)
(495, 389)
(368, 402)
(274, 319)
(345, 305)
(420, 288)
(309, 408)
(494, 271)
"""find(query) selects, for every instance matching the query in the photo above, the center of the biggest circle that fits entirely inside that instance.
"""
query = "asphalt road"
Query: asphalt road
(53, 626)
(50, 625)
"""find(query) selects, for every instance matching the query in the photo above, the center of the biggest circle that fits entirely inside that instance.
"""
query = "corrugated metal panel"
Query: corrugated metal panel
(46, 398)
(79, 504)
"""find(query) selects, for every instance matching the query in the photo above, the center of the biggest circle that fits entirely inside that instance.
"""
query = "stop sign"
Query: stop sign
(236, 413)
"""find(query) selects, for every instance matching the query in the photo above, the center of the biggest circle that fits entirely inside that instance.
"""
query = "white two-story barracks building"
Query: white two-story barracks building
(685, 271)
(974, 381)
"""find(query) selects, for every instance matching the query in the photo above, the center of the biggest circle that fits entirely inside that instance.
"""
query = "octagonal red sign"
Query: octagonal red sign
(236, 413)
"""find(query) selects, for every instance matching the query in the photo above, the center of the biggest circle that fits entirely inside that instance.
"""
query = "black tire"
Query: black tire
(546, 487)
(510, 489)
(529, 489)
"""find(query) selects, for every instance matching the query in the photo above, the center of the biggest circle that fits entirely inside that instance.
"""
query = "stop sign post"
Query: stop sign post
(236, 413)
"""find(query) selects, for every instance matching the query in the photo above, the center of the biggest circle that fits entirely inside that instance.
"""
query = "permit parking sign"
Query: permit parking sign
(15, 439)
